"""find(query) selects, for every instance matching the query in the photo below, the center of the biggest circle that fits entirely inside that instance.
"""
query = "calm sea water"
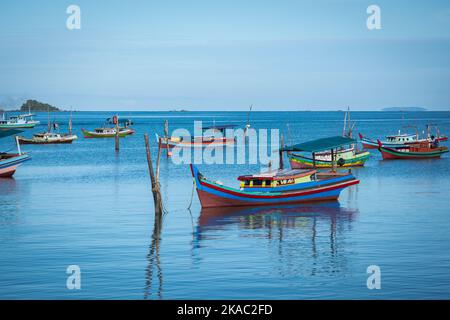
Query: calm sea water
(84, 204)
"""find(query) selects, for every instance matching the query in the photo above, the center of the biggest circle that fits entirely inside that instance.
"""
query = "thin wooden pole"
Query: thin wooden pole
(18, 145)
(333, 160)
(281, 152)
(117, 133)
(70, 123)
(154, 179)
(166, 137)
(158, 161)
(166, 128)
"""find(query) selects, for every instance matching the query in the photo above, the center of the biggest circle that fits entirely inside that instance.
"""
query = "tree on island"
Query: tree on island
(33, 105)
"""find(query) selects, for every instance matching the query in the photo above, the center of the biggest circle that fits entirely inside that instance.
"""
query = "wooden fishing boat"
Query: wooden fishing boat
(48, 138)
(23, 121)
(281, 186)
(276, 187)
(107, 132)
(345, 155)
(421, 150)
(201, 141)
(196, 142)
(10, 161)
(349, 157)
(401, 140)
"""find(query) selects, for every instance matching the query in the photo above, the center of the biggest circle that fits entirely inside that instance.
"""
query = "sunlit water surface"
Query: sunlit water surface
(85, 205)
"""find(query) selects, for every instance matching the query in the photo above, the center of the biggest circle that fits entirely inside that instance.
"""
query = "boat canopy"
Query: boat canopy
(221, 127)
(121, 121)
(278, 175)
(403, 135)
(9, 132)
(320, 144)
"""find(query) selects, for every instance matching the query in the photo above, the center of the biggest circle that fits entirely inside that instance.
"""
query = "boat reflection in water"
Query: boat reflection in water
(154, 263)
(290, 240)
(304, 238)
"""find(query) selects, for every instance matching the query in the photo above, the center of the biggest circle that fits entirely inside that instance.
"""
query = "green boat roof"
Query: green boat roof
(9, 132)
(320, 144)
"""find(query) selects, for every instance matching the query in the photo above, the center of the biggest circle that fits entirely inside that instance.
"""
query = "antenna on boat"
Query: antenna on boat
(49, 127)
(281, 165)
(345, 125)
(70, 122)
(289, 133)
(18, 145)
(248, 116)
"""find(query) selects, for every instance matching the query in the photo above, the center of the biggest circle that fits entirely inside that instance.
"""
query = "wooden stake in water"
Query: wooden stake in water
(70, 123)
(166, 137)
(157, 199)
(117, 132)
(281, 152)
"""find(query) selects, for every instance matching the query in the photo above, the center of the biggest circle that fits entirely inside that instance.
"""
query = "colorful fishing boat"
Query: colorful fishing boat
(10, 161)
(107, 132)
(48, 138)
(349, 157)
(215, 137)
(345, 155)
(281, 186)
(23, 121)
(420, 150)
(401, 140)
(277, 187)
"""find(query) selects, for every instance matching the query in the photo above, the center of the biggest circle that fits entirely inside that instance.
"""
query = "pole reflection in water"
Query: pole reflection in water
(154, 262)
(297, 235)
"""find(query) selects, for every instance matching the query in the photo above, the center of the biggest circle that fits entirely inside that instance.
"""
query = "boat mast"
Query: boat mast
(345, 125)
(248, 117)
(18, 145)
(70, 122)
(49, 127)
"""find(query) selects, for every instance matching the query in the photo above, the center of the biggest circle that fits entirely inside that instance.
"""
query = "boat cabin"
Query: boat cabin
(320, 147)
(105, 130)
(402, 138)
(276, 178)
(219, 128)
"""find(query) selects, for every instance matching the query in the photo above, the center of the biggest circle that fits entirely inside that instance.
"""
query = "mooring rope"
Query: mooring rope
(192, 195)
(6, 151)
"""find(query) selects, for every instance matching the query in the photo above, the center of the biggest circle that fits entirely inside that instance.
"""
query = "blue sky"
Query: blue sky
(226, 55)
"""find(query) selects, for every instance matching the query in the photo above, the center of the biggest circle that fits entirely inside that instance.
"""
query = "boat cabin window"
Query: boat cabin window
(257, 182)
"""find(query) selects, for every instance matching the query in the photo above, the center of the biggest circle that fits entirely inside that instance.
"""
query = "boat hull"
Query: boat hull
(63, 140)
(19, 125)
(392, 154)
(214, 195)
(90, 134)
(10, 162)
(300, 162)
(372, 144)
(171, 143)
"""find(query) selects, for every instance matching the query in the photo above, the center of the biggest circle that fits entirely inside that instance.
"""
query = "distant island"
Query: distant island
(36, 106)
(404, 109)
